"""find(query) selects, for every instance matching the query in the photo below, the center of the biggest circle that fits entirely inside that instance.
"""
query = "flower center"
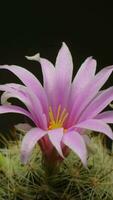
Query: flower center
(58, 121)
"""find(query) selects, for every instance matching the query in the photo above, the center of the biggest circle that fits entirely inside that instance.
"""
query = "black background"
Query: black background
(27, 27)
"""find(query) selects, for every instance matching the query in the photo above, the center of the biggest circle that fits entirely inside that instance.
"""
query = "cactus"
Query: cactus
(71, 182)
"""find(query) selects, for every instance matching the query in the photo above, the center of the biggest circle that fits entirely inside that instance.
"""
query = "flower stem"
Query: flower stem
(51, 164)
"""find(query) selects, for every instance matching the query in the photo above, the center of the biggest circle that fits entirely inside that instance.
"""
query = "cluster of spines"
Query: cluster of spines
(72, 181)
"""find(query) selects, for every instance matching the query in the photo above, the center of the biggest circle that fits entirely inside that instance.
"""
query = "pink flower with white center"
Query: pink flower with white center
(61, 109)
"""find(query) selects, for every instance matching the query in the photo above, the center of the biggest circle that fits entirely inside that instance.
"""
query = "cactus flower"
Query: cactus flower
(62, 109)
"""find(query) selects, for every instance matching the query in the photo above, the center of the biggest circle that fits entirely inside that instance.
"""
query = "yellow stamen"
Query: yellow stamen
(64, 118)
(58, 121)
(58, 113)
(51, 114)
(62, 114)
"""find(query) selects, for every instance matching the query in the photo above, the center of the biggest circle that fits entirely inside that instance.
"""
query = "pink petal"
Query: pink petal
(57, 80)
(84, 75)
(63, 75)
(10, 87)
(29, 141)
(28, 98)
(14, 109)
(37, 108)
(64, 64)
(25, 76)
(76, 142)
(35, 57)
(24, 127)
(48, 72)
(55, 137)
(86, 139)
(106, 117)
(98, 104)
(29, 80)
(96, 125)
(84, 97)
(102, 76)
